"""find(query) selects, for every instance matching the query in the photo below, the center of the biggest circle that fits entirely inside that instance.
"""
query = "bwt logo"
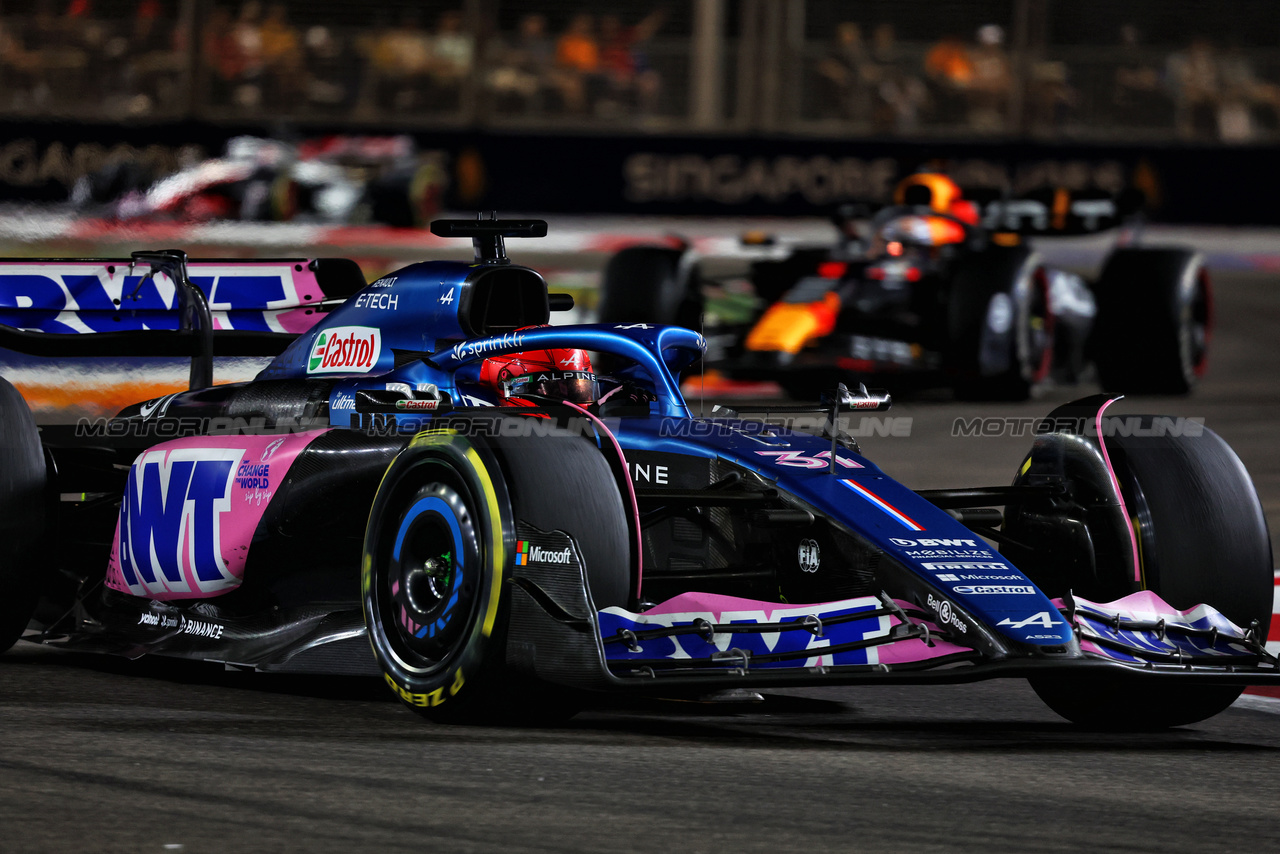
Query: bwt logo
(904, 543)
(169, 537)
(84, 298)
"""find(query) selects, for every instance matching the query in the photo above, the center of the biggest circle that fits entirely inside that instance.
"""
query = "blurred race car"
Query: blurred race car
(433, 486)
(340, 179)
(943, 290)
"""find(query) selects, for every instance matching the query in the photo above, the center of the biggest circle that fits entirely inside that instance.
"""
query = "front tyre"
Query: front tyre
(439, 559)
(1202, 538)
(1120, 702)
(433, 576)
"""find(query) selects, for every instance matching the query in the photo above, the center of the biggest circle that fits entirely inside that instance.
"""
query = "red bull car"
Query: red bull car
(934, 289)
(498, 517)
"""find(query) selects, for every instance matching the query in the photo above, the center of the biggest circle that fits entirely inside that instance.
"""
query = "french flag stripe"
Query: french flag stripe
(902, 518)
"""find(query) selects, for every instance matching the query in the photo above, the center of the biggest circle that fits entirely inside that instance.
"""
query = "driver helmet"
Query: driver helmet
(939, 193)
(927, 188)
(518, 379)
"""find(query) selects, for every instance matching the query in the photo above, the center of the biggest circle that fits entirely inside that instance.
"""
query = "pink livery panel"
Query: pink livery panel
(190, 510)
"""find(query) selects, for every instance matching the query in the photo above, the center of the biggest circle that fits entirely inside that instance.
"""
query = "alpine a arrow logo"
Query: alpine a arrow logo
(346, 350)
(1039, 619)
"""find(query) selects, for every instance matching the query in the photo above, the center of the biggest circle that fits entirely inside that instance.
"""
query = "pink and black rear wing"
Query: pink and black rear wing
(134, 306)
(157, 303)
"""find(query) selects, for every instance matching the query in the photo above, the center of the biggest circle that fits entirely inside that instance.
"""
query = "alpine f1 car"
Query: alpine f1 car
(432, 485)
(935, 289)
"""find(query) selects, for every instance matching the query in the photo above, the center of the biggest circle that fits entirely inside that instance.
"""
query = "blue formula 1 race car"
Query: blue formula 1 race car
(499, 517)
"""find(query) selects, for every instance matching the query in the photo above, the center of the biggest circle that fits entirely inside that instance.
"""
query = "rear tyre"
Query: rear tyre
(650, 284)
(999, 325)
(1203, 539)
(438, 556)
(22, 503)
(407, 198)
(1155, 319)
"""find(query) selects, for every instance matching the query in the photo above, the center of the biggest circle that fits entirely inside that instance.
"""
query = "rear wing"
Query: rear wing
(1056, 211)
(1047, 211)
(160, 304)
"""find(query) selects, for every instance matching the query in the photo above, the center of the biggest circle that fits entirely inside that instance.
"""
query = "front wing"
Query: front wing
(700, 640)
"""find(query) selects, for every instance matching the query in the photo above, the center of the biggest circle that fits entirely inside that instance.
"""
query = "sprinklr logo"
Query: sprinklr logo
(527, 553)
(346, 350)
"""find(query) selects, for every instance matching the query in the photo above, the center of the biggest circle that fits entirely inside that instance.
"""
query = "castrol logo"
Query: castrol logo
(346, 350)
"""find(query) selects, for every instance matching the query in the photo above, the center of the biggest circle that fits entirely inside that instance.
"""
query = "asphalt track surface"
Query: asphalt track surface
(104, 755)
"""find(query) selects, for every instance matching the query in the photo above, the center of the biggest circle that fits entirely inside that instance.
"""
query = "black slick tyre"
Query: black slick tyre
(1155, 319)
(439, 552)
(999, 326)
(406, 197)
(22, 503)
(1202, 538)
(650, 284)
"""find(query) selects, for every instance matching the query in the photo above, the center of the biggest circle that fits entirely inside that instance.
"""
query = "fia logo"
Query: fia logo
(809, 556)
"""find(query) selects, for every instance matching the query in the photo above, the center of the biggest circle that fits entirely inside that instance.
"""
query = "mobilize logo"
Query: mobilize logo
(170, 533)
(527, 554)
(345, 350)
